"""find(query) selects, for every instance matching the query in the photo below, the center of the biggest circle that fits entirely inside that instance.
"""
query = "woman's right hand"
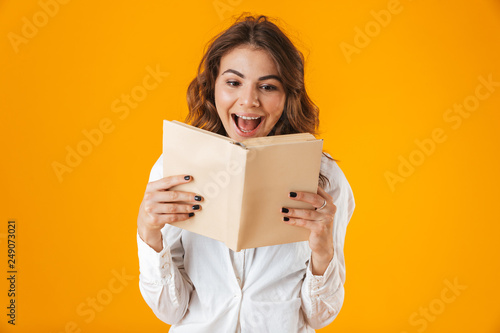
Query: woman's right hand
(160, 206)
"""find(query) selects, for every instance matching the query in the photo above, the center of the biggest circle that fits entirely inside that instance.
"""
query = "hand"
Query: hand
(319, 221)
(160, 206)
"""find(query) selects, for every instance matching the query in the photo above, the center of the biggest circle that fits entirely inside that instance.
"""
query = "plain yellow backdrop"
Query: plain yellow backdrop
(409, 93)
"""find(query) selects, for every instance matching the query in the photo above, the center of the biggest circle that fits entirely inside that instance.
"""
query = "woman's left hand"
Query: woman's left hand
(319, 221)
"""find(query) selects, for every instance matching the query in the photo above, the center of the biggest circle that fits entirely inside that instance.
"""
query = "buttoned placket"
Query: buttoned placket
(166, 266)
(238, 265)
(238, 261)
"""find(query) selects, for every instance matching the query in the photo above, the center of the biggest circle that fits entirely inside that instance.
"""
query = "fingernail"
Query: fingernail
(196, 207)
(286, 219)
(293, 194)
(187, 177)
(197, 198)
(191, 214)
(284, 210)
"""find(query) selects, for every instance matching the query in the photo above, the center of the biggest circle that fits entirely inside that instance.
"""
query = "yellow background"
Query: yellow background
(404, 243)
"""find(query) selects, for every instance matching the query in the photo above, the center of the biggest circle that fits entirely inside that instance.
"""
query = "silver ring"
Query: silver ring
(324, 204)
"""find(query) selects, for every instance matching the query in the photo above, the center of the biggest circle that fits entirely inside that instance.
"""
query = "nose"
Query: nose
(249, 97)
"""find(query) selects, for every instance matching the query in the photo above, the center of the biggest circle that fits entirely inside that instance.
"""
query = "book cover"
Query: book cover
(244, 184)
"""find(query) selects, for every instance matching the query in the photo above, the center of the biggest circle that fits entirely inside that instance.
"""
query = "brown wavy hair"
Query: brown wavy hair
(300, 114)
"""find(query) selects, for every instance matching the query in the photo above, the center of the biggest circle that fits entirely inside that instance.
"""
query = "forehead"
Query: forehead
(248, 60)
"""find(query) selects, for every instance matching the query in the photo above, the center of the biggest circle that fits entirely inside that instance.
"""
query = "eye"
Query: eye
(233, 83)
(269, 87)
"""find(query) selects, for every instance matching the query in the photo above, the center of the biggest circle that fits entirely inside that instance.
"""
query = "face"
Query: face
(249, 96)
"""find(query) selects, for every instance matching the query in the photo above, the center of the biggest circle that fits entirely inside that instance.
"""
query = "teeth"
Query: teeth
(247, 118)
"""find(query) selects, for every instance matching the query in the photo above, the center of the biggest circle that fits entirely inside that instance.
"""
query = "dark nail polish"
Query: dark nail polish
(187, 177)
(197, 198)
(284, 210)
(286, 219)
(191, 214)
(293, 194)
(196, 207)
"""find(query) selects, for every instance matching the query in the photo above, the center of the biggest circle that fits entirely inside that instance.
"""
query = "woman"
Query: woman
(250, 83)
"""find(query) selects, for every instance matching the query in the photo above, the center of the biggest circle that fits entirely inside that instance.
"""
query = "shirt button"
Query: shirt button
(239, 281)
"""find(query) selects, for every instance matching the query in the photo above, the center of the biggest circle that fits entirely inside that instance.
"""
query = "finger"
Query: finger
(159, 220)
(171, 208)
(330, 206)
(171, 218)
(324, 194)
(308, 224)
(174, 196)
(305, 214)
(312, 198)
(167, 182)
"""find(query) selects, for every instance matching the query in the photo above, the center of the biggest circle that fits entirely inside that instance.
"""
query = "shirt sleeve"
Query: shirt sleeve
(323, 295)
(163, 283)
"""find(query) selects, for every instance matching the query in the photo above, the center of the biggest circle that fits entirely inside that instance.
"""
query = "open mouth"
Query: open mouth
(246, 125)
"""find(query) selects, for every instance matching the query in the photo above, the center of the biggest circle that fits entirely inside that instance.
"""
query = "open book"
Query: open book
(244, 184)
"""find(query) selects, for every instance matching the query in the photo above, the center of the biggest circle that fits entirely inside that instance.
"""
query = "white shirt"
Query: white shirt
(196, 284)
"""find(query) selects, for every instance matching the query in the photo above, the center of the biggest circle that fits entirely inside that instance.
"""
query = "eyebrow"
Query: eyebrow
(265, 77)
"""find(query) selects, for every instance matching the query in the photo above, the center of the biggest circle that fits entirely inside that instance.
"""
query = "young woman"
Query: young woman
(250, 83)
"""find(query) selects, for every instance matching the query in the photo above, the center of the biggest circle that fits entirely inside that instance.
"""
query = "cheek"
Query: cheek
(223, 100)
(277, 106)
(220, 102)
